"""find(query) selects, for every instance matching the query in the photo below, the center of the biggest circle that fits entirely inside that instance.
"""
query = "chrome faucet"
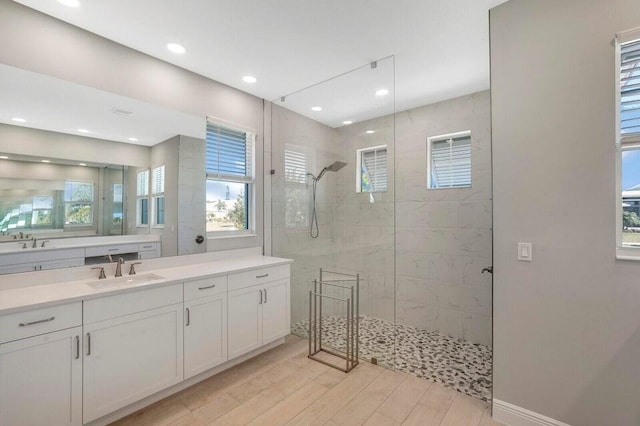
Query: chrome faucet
(119, 267)
(35, 243)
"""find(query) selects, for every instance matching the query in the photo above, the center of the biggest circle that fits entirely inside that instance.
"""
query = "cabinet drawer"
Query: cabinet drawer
(205, 287)
(147, 247)
(36, 255)
(258, 276)
(114, 249)
(129, 303)
(39, 321)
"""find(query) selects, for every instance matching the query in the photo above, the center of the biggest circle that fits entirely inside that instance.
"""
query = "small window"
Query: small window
(42, 207)
(78, 198)
(449, 161)
(142, 195)
(629, 146)
(371, 169)
(230, 178)
(157, 195)
(297, 197)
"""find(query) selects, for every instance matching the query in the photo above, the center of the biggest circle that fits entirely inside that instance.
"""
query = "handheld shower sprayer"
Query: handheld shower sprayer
(314, 230)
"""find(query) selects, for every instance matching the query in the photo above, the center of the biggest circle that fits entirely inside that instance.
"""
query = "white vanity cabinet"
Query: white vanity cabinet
(259, 309)
(41, 367)
(38, 260)
(205, 319)
(132, 348)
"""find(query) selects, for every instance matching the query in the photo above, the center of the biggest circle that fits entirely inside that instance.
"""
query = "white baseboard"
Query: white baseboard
(512, 415)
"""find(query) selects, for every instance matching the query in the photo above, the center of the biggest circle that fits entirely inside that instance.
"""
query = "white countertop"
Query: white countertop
(74, 242)
(35, 296)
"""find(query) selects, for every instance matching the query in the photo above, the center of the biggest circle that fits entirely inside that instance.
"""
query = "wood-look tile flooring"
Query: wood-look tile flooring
(284, 387)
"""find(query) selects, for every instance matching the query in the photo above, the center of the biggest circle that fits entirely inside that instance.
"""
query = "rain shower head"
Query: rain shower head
(331, 168)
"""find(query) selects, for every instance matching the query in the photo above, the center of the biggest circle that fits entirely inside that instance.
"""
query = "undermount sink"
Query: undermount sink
(126, 281)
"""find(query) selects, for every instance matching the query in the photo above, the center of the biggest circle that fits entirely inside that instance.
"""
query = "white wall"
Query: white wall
(567, 325)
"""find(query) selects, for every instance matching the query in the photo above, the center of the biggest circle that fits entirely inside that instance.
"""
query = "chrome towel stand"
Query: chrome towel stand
(352, 322)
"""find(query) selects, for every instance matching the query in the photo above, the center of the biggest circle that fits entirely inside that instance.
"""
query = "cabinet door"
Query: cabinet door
(61, 263)
(245, 321)
(41, 380)
(205, 334)
(275, 311)
(18, 267)
(131, 357)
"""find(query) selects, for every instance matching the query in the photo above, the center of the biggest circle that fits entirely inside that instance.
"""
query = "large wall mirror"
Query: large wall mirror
(71, 155)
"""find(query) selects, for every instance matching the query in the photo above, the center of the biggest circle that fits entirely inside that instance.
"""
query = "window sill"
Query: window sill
(628, 253)
(224, 237)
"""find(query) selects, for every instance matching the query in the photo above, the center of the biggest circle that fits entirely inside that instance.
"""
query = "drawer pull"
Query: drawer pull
(209, 286)
(77, 347)
(147, 246)
(262, 276)
(26, 324)
(113, 249)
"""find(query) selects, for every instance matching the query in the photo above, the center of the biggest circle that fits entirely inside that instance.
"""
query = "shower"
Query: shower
(337, 165)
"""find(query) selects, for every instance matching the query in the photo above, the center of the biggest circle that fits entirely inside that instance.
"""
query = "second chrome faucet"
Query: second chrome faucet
(119, 267)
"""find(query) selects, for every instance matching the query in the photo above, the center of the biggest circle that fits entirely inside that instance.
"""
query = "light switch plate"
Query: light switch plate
(525, 252)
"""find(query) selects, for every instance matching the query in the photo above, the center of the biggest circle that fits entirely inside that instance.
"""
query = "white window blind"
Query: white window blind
(295, 166)
(143, 183)
(451, 162)
(157, 180)
(374, 170)
(630, 88)
(229, 153)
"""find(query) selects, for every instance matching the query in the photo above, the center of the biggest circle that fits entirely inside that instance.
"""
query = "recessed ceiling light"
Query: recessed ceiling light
(316, 109)
(347, 122)
(133, 139)
(249, 79)
(45, 161)
(18, 119)
(70, 3)
(82, 164)
(382, 92)
(176, 48)
(370, 131)
(4, 157)
(83, 130)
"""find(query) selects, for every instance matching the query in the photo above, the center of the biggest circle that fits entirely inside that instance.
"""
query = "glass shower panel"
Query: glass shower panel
(112, 207)
(333, 199)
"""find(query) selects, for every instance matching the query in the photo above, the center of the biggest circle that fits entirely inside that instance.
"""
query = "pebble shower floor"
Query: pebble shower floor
(456, 363)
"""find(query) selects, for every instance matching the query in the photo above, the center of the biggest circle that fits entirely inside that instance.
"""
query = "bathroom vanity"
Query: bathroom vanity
(81, 350)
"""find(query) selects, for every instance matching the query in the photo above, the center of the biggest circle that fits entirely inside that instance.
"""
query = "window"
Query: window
(629, 140)
(142, 195)
(78, 199)
(230, 178)
(449, 161)
(157, 195)
(371, 175)
(41, 210)
(297, 198)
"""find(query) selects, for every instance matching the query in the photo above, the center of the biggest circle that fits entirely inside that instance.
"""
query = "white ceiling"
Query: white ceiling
(441, 47)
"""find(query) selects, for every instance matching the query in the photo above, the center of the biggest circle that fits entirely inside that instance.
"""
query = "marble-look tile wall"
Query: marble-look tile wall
(419, 252)
(443, 236)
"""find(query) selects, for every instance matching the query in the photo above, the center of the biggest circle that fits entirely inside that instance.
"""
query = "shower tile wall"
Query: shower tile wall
(316, 143)
(443, 237)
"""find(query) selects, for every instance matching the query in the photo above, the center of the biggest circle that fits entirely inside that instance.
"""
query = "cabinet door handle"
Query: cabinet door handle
(188, 317)
(26, 324)
(260, 296)
(265, 295)
(77, 347)
(209, 286)
(88, 344)
(262, 276)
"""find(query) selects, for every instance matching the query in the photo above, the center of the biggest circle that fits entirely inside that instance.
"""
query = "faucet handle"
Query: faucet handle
(132, 268)
(102, 274)
(43, 242)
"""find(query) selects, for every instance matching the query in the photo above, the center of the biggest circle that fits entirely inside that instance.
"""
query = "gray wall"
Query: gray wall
(166, 153)
(567, 325)
(100, 63)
